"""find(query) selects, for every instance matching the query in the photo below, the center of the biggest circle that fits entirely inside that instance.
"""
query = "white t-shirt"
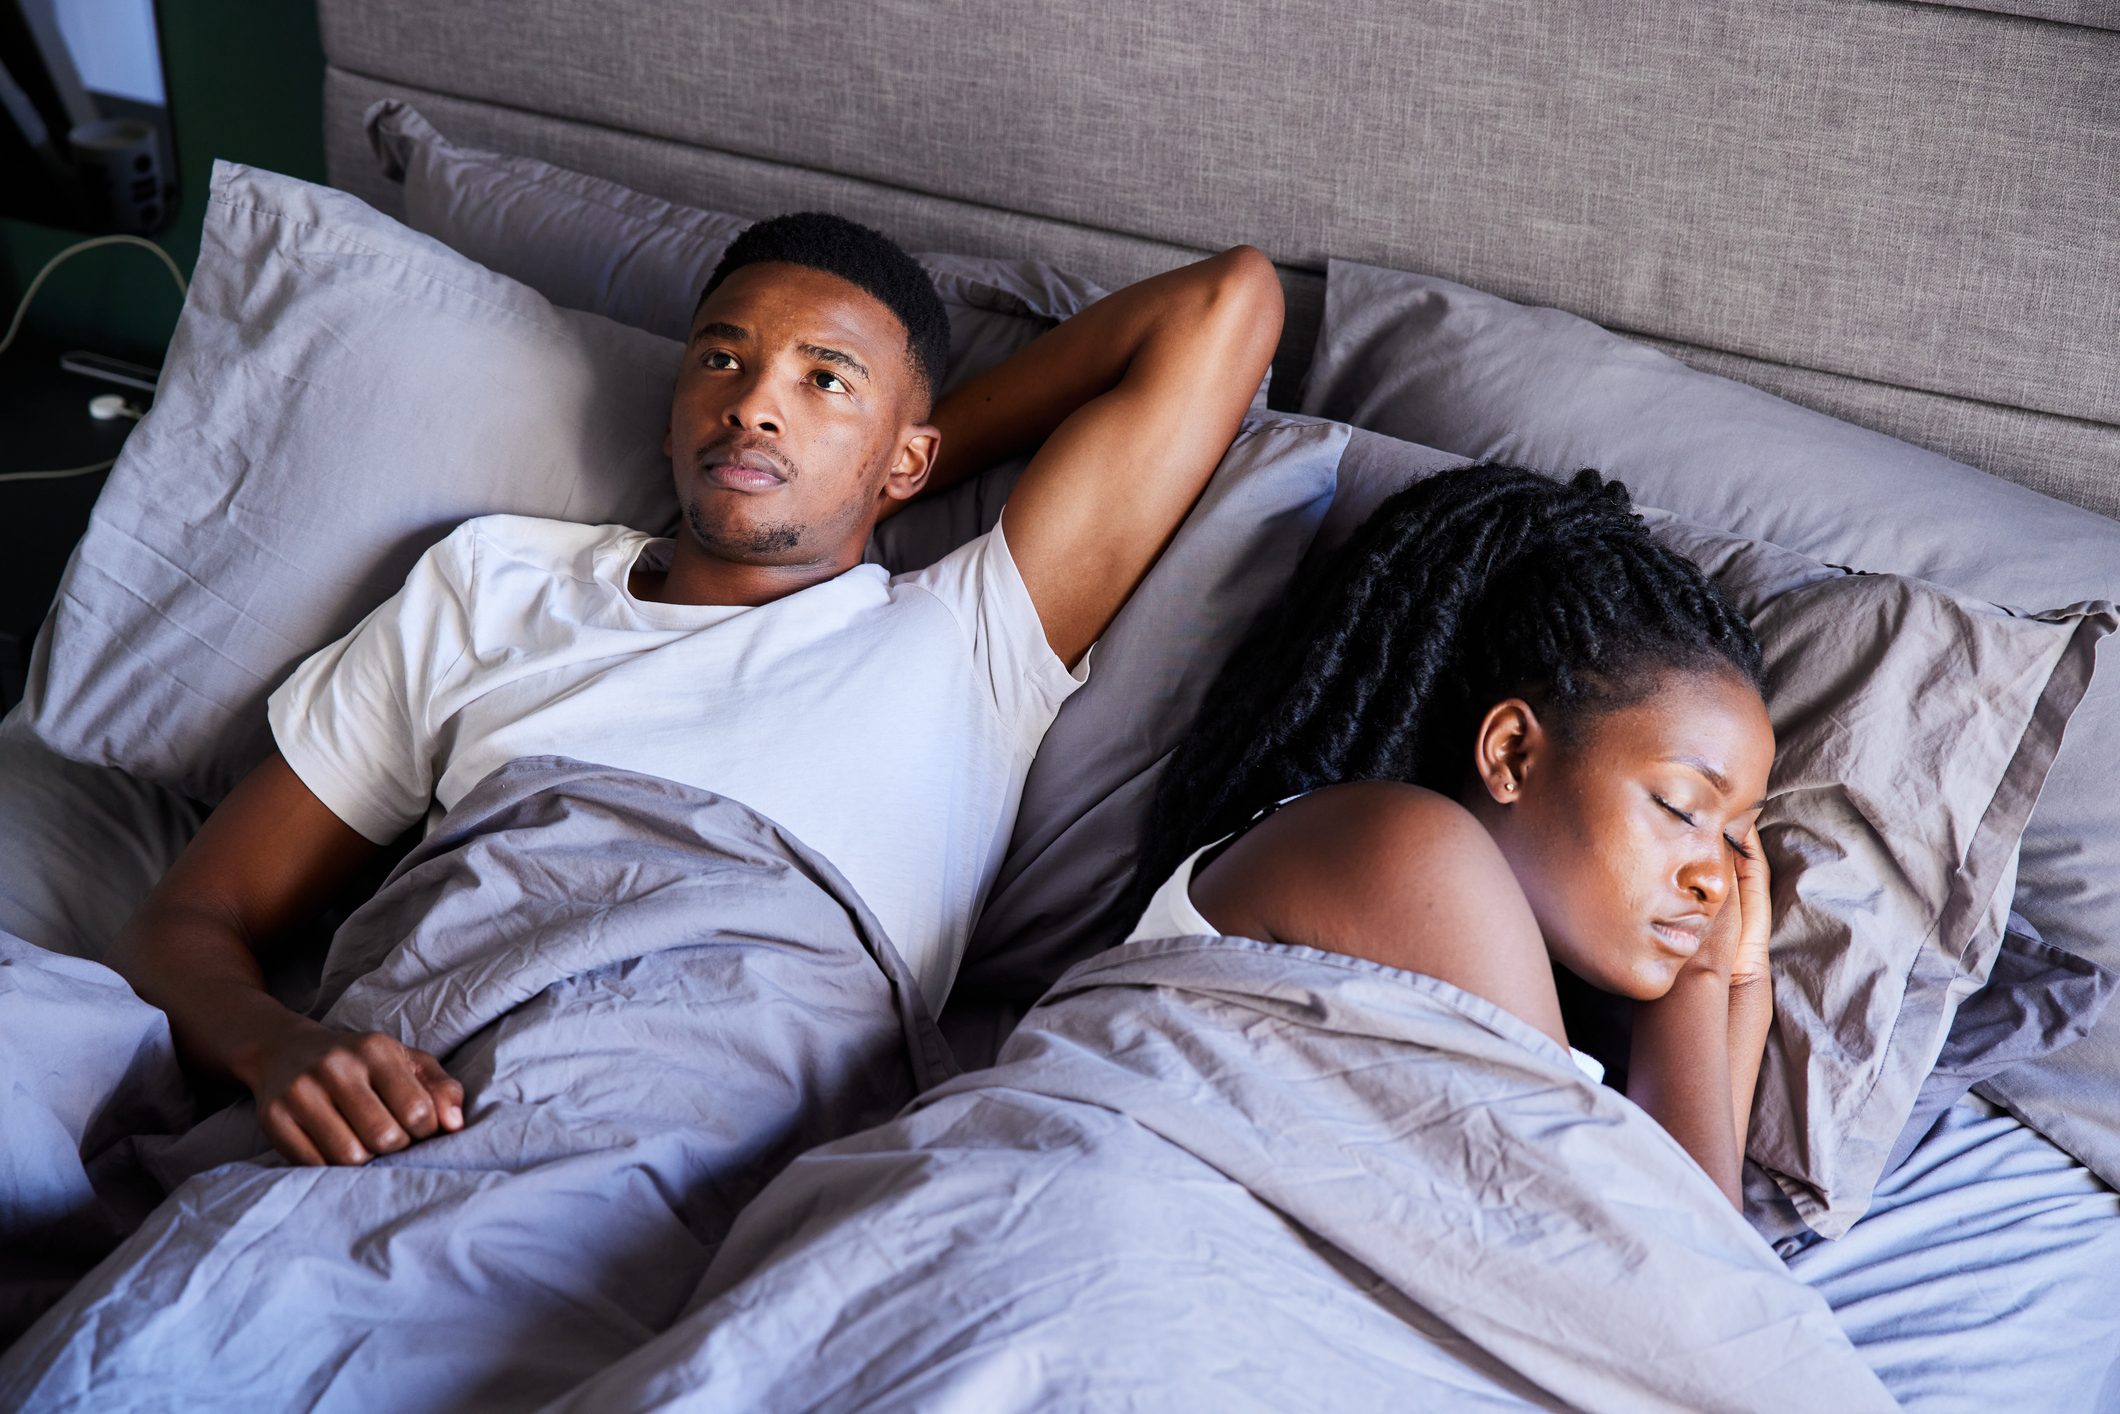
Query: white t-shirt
(887, 723)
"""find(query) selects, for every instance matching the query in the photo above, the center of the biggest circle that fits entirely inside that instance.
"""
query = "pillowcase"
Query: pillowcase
(1060, 895)
(82, 845)
(1437, 363)
(580, 241)
(340, 392)
(1431, 362)
(1914, 729)
(585, 242)
(2037, 1000)
(589, 243)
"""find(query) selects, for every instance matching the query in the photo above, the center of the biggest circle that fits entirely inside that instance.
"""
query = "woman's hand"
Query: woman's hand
(335, 1097)
(1735, 946)
(1748, 917)
(1754, 907)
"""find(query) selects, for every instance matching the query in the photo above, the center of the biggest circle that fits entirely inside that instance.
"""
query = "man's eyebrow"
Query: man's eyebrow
(1715, 778)
(825, 355)
(717, 329)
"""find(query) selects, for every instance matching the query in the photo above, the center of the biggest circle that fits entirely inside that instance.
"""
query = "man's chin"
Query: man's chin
(742, 541)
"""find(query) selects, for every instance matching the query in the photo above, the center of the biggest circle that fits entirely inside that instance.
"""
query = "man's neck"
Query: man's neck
(696, 576)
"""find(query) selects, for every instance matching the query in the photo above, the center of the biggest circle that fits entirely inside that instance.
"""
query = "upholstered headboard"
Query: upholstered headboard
(1903, 214)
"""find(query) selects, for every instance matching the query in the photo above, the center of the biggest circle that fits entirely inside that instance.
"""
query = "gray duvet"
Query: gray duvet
(654, 997)
(1217, 1174)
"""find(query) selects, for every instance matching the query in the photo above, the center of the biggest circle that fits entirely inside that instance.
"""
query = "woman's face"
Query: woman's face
(1624, 837)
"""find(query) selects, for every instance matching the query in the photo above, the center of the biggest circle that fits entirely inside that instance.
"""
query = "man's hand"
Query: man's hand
(265, 860)
(333, 1097)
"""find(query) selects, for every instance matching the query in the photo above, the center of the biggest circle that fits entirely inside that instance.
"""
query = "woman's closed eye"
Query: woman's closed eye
(1694, 821)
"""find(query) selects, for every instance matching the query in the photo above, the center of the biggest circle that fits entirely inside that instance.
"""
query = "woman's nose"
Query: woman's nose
(1707, 880)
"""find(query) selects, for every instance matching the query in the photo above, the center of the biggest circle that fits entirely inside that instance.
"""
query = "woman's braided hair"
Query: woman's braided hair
(1475, 585)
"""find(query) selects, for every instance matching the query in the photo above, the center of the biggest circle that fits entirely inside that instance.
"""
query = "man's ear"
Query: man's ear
(1508, 749)
(915, 459)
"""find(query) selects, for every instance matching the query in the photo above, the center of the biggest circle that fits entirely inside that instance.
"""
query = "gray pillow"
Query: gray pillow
(82, 845)
(590, 243)
(339, 394)
(585, 242)
(1437, 363)
(1915, 727)
(1059, 897)
(2037, 1000)
(580, 241)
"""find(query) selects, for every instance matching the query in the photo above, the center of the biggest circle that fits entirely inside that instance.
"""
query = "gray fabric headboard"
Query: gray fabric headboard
(1900, 213)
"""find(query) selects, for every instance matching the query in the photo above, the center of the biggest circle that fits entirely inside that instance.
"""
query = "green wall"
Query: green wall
(245, 80)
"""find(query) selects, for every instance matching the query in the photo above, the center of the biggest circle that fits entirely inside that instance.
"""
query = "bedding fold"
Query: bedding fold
(1217, 1173)
(653, 995)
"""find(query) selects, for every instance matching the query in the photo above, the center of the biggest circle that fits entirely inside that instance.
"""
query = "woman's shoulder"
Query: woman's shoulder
(1389, 872)
(1333, 861)
(1376, 832)
(1389, 806)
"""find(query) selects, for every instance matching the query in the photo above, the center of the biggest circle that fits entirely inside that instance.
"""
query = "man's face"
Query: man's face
(794, 419)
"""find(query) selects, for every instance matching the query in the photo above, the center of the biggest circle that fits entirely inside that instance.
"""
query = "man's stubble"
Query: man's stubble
(731, 543)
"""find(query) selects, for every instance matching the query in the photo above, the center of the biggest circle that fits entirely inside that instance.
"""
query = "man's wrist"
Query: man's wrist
(261, 1027)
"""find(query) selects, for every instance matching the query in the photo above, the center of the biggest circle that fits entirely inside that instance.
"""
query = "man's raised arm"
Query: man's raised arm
(266, 859)
(1135, 399)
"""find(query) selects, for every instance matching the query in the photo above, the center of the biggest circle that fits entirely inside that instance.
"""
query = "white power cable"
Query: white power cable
(58, 475)
(15, 326)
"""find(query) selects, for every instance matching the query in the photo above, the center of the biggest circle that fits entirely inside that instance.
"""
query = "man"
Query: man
(886, 723)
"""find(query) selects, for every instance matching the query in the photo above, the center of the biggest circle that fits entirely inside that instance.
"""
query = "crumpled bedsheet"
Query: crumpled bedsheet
(654, 997)
(1217, 1174)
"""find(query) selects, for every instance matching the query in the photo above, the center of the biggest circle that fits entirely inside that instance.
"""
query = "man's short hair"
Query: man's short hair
(861, 256)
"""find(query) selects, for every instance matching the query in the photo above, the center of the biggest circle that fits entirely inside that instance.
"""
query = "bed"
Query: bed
(1894, 214)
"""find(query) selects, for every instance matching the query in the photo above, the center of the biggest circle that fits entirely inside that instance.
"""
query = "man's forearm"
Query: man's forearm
(1679, 1071)
(1015, 405)
(195, 967)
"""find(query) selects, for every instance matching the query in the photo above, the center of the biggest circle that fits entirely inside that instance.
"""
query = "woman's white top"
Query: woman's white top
(1172, 914)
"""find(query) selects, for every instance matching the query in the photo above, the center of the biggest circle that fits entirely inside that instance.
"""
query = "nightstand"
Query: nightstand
(44, 425)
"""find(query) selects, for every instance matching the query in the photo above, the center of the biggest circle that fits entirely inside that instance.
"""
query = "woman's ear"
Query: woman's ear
(1507, 748)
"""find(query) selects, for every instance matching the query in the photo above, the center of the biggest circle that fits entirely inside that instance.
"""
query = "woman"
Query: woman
(1503, 737)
